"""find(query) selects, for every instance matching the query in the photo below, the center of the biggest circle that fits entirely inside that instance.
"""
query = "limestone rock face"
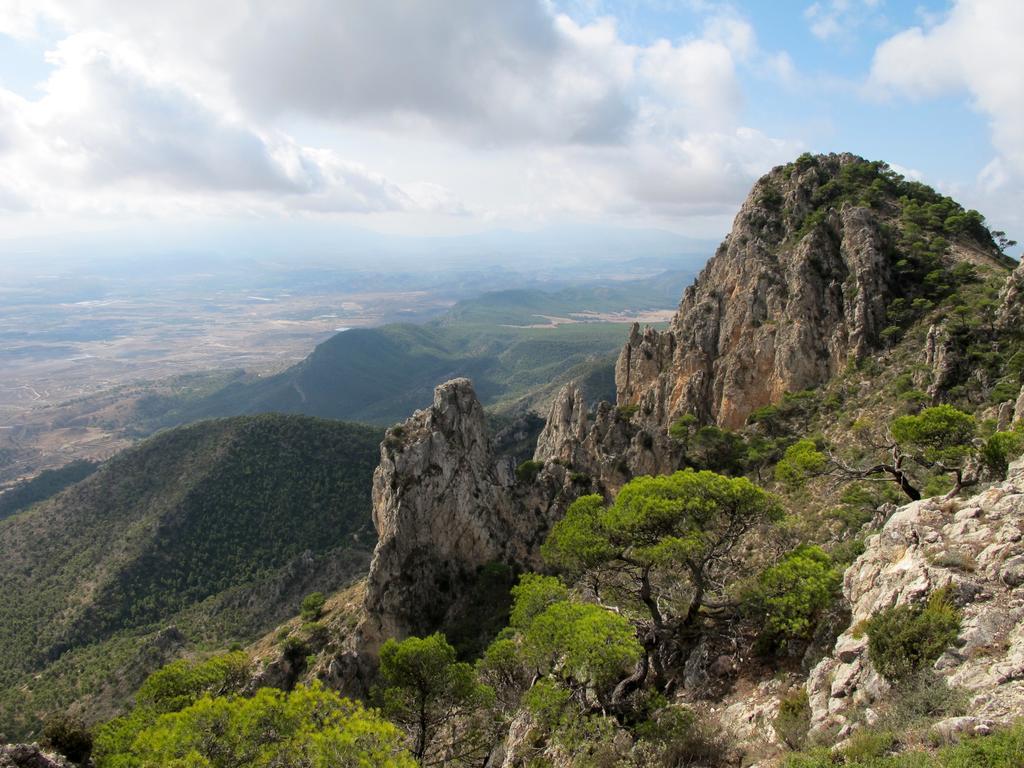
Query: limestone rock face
(939, 355)
(444, 506)
(776, 309)
(607, 445)
(976, 547)
(1018, 411)
(1011, 301)
(566, 427)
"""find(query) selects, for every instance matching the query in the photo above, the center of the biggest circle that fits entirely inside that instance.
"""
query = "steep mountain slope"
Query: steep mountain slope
(835, 272)
(212, 530)
(826, 255)
(692, 608)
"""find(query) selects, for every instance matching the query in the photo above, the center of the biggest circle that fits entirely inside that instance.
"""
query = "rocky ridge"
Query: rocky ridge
(794, 293)
(781, 307)
(445, 506)
(30, 756)
(606, 445)
(1011, 309)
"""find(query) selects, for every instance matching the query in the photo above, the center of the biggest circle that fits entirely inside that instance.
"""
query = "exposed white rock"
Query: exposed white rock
(905, 562)
(776, 310)
(1011, 301)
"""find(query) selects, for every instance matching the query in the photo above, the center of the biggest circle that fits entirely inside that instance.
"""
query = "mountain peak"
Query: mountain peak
(805, 281)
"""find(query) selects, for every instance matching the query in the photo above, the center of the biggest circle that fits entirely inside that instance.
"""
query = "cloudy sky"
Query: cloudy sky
(430, 117)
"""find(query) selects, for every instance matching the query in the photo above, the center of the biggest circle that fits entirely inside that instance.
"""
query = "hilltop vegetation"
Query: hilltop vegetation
(216, 530)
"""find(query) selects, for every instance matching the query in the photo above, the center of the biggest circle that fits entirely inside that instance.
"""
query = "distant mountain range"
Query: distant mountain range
(380, 375)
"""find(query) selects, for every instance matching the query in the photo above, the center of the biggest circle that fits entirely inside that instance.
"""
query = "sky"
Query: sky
(448, 117)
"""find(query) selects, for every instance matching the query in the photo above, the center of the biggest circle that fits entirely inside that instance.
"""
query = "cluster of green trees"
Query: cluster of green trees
(187, 715)
(593, 652)
(938, 442)
(47, 483)
(874, 184)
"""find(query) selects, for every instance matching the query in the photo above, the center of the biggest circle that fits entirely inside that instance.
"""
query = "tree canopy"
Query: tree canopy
(431, 694)
(661, 534)
(310, 726)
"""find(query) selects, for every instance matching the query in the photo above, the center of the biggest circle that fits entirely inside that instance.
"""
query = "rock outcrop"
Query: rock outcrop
(776, 309)
(801, 286)
(1011, 301)
(607, 445)
(975, 547)
(444, 507)
(940, 357)
(30, 756)
(793, 293)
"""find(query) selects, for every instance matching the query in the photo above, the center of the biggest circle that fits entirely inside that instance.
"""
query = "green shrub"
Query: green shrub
(904, 640)
(295, 650)
(801, 461)
(68, 736)
(183, 682)
(547, 702)
(309, 726)
(682, 428)
(312, 606)
(923, 698)
(1002, 749)
(627, 411)
(316, 633)
(527, 471)
(680, 737)
(867, 745)
(1000, 449)
(789, 596)
(794, 719)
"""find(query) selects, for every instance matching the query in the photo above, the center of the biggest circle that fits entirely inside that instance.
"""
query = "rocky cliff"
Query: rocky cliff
(445, 507)
(30, 756)
(974, 546)
(800, 286)
(1011, 301)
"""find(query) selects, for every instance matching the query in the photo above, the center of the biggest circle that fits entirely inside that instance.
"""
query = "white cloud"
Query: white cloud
(140, 110)
(839, 20)
(18, 18)
(107, 126)
(976, 49)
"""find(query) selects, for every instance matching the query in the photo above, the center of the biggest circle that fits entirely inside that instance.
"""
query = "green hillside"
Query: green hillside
(46, 484)
(199, 537)
(531, 306)
(381, 375)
